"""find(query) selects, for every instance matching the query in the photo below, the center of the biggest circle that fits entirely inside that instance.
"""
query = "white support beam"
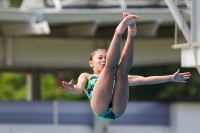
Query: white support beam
(179, 19)
(87, 29)
(198, 68)
(100, 125)
(49, 53)
(187, 57)
(149, 29)
(198, 20)
(123, 4)
(8, 51)
(55, 113)
(88, 15)
(15, 15)
(18, 29)
(33, 86)
(24, 4)
(194, 29)
(28, 5)
(194, 21)
(198, 35)
(190, 52)
(57, 4)
(185, 117)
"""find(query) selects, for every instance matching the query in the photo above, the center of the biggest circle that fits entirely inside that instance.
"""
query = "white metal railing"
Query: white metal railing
(58, 113)
(4, 3)
(123, 4)
(85, 4)
(76, 117)
(181, 113)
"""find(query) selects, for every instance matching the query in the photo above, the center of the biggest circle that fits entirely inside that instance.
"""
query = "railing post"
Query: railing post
(55, 113)
(57, 4)
(100, 125)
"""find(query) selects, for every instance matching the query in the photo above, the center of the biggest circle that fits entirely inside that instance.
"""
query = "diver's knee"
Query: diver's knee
(111, 70)
(99, 108)
(118, 111)
(122, 72)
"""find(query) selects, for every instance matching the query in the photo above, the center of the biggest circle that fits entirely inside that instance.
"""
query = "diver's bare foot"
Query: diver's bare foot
(127, 21)
(125, 14)
(132, 27)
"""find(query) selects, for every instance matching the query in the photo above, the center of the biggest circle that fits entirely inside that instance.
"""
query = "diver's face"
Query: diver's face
(98, 61)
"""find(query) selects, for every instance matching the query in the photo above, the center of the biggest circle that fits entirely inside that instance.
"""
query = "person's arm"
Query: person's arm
(79, 87)
(134, 80)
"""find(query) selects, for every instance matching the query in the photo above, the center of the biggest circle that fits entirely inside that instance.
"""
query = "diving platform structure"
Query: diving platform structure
(60, 22)
(55, 28)
(190, 50)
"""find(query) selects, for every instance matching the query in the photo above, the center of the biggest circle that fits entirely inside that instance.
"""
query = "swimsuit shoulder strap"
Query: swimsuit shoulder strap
(92, 75)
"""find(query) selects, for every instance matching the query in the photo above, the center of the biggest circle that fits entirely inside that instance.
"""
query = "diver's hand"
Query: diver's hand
(68, 85)
(181, 77)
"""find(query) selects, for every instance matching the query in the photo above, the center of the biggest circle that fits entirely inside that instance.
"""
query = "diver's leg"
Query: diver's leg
(102, 92)
(121, 90)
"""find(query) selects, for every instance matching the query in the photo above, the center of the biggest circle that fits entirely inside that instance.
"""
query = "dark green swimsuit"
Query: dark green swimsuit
(109, 115)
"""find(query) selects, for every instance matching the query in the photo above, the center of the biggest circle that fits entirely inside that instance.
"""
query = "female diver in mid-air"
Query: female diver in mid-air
(108, 87)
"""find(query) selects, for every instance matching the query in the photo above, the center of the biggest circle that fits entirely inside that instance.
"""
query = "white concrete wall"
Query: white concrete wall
(79, 129)
(68, 53)
(24, 128)
(185, 117)
(139, 129)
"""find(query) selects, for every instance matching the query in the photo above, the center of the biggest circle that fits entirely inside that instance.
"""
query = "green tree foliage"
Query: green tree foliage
(15, 3)
(168, 90)
(13, 85)
(52, 90)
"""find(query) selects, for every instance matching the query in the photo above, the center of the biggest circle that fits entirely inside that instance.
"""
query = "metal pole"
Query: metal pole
(179, 19)
(100, 125)
(198, 21)
(57, 4)
(33, 85)
(55, 113)
(193, 21)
